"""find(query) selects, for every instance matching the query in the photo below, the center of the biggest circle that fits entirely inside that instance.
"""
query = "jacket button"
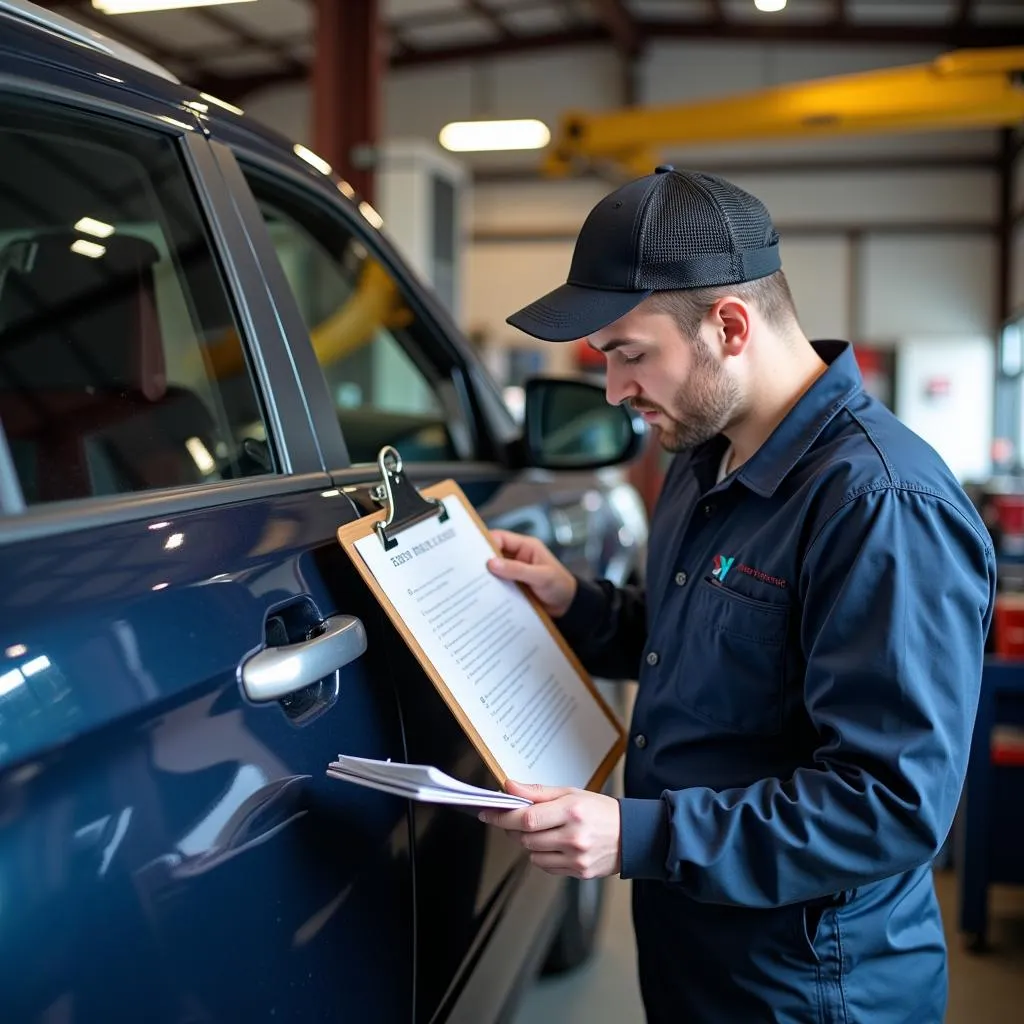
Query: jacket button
(681, 579)
(652, 658)
(709, 511)
(640, 740)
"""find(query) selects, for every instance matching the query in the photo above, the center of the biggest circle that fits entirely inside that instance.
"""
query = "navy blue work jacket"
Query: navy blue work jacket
(809, 651)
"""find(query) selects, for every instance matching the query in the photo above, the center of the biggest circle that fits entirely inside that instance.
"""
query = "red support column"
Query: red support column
(347, 70)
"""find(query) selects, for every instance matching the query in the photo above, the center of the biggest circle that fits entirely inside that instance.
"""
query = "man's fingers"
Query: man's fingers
(538, 794)
(508, 820)
(512, 544)
(536, 818)
(518, 572)
(549, 840)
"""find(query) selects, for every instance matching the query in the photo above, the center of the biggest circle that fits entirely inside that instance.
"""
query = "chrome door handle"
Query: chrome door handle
(275, 672)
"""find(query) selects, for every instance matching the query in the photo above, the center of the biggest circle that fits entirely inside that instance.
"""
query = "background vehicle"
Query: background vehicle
(203, 343)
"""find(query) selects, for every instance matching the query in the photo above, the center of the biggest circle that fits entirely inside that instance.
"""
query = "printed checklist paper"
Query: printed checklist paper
(505, 671)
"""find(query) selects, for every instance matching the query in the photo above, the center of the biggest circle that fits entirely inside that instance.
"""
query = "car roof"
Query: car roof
(71, 30)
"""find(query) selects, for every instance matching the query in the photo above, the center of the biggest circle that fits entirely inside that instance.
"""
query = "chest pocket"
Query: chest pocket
(734, 662)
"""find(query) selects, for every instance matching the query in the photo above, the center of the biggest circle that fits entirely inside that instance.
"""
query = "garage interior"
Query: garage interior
(895, 176)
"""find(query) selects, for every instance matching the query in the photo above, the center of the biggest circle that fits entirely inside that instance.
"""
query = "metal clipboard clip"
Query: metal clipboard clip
(405, 505)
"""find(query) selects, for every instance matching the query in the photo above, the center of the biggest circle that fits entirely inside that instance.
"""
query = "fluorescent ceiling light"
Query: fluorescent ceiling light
(90, 226)
(91, 249)
(141, 6)
(371, 215)
(221, 103)
(40, 664)
(481, 136)
(312, 159)
(769, 6)
(175, 123)
(174, 541)
(11, 681)
(200, 456)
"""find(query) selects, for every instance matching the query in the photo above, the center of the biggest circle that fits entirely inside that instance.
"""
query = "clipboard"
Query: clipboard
(404, 506)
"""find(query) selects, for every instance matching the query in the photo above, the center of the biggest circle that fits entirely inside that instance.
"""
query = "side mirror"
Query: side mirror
(570, 425)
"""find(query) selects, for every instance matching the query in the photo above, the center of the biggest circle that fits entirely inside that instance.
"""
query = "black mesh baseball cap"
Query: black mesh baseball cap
(669, 230)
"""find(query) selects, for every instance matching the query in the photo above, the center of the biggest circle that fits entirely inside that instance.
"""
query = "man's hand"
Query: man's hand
(567, 831)
(526, 560)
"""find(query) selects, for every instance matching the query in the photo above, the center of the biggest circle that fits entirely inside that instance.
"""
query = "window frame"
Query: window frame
(417, 343)
(440, 351)
(300, 463)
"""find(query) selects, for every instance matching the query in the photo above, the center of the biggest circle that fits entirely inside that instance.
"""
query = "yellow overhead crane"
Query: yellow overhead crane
(963, 89)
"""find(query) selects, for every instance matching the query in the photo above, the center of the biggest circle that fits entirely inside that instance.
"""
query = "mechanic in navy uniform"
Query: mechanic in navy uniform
(808, 644)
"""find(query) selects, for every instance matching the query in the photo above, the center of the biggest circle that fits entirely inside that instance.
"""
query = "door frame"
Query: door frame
(266, 343)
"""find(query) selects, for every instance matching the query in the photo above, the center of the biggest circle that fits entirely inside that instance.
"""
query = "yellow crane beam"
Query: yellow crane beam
(963, 89)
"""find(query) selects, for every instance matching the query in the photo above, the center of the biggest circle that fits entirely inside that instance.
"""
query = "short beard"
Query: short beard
(702, 408)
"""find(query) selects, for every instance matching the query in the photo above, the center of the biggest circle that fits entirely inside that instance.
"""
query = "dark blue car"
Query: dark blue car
(204, 344)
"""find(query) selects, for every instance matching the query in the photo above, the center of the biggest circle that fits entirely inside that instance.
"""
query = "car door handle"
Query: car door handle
(275, 672)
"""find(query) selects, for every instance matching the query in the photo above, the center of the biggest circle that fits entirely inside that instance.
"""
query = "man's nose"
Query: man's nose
(617, 387)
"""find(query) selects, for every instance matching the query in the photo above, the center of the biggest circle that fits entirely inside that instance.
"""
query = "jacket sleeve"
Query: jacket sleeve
(607, 628)
(896, 595)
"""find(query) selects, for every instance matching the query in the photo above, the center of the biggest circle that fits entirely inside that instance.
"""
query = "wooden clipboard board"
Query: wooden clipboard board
(405, 506)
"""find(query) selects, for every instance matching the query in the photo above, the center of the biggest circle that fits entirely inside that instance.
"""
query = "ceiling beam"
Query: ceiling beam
(398, 43)
(432, 18)
(619, 24)
(942, 34)
(626, 33)
(520, 45)
(801, 32)
(271, 48)
(570, 12)
(491, 17)
(285, 42)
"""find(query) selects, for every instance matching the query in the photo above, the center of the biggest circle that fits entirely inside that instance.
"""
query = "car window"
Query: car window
(366, 336)
(121, 366)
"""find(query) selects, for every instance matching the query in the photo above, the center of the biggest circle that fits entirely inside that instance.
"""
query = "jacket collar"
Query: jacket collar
(791, 439)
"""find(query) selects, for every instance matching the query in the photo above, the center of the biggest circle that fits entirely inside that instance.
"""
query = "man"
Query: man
(808, 647)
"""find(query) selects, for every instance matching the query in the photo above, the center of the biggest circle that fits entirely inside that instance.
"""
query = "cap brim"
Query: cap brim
(572, 312)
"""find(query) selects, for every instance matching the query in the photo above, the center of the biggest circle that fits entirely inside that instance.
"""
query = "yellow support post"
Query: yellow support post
(964, 89)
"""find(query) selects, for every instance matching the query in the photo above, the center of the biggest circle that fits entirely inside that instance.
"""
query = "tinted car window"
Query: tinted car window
(121, 368)
(363, 331)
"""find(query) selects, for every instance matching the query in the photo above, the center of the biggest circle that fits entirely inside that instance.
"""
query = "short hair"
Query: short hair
(769, 295)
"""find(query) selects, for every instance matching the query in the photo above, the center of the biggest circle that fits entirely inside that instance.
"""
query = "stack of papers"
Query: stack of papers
(419, 782)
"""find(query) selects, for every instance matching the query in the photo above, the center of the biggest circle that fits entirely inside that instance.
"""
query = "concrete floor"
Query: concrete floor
(985, 989)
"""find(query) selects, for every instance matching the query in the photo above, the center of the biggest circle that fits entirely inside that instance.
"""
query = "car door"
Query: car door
(481, 911)
(179, 657)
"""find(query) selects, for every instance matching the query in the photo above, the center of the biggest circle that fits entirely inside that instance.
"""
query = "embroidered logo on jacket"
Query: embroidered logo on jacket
(722, 565)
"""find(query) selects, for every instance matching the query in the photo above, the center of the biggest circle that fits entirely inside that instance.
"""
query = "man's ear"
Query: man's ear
(731, 320)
